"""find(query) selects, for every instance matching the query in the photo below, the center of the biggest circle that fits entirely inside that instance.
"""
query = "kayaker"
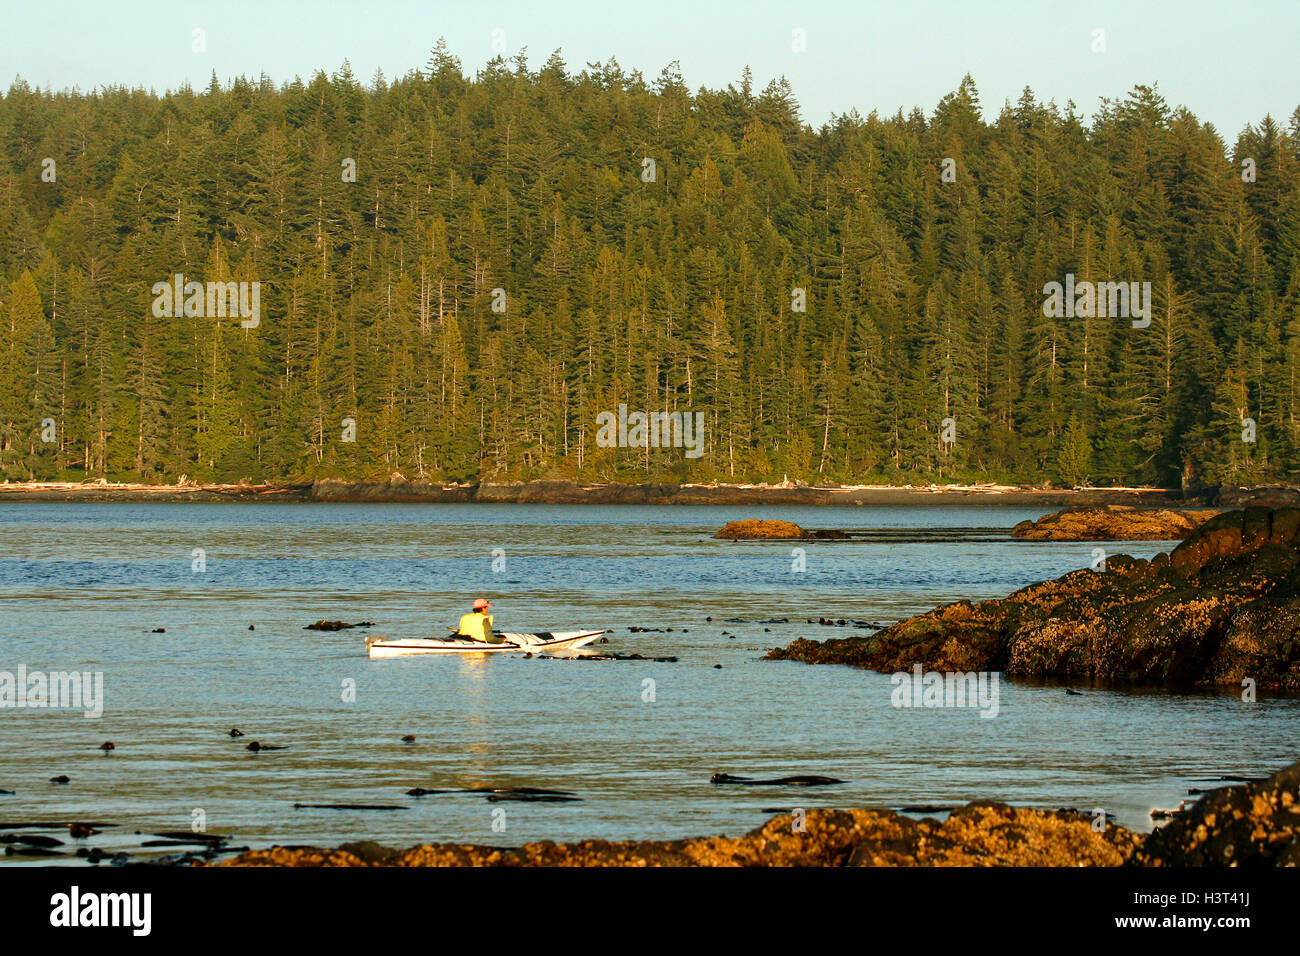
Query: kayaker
(477, 625)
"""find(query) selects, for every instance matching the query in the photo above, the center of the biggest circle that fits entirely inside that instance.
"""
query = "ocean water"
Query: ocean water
(84, 587)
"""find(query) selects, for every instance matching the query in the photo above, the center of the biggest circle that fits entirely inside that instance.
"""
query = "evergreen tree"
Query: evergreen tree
(525, 249)
(1075, 456)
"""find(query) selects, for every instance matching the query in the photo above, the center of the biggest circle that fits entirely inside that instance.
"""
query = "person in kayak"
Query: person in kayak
(477, 625)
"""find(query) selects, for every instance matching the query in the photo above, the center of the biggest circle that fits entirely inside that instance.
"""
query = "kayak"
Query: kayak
(544, 641)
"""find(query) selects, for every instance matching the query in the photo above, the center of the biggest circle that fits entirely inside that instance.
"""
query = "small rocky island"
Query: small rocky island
(1114, 523)
(1222, 608)
(755, 529)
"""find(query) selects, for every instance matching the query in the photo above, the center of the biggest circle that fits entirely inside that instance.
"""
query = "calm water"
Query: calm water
(83, 586)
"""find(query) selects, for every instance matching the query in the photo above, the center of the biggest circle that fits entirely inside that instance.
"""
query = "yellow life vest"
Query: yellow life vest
(478, 626)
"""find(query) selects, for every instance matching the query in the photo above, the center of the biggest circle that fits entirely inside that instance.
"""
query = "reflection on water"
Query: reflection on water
(85, 587)
(473, 689)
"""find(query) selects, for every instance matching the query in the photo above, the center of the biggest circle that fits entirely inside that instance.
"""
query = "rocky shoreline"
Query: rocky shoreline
(1221, 610)
(1114, 523)
(398, 489)
(1254, 824)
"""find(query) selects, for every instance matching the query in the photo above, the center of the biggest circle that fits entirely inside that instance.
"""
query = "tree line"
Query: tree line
(459, 275)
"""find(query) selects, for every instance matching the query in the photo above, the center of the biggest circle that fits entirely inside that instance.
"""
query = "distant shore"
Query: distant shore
(565, 492)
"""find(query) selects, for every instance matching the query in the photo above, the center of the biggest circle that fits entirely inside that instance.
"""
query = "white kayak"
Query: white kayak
(540, 642)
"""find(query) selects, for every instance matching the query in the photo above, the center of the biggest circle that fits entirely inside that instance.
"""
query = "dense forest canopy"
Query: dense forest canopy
(506, 266)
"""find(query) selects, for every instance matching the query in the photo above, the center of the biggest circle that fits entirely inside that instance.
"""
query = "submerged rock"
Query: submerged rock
(31, 851)
(807, 780)
(1220, 609)
(1114, 523)
(605, 657)
(188, 836)
(531, 797)
(496, 794)
(37, 840)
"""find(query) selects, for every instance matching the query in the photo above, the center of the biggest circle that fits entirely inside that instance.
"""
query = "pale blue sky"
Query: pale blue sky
(1230, 62)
